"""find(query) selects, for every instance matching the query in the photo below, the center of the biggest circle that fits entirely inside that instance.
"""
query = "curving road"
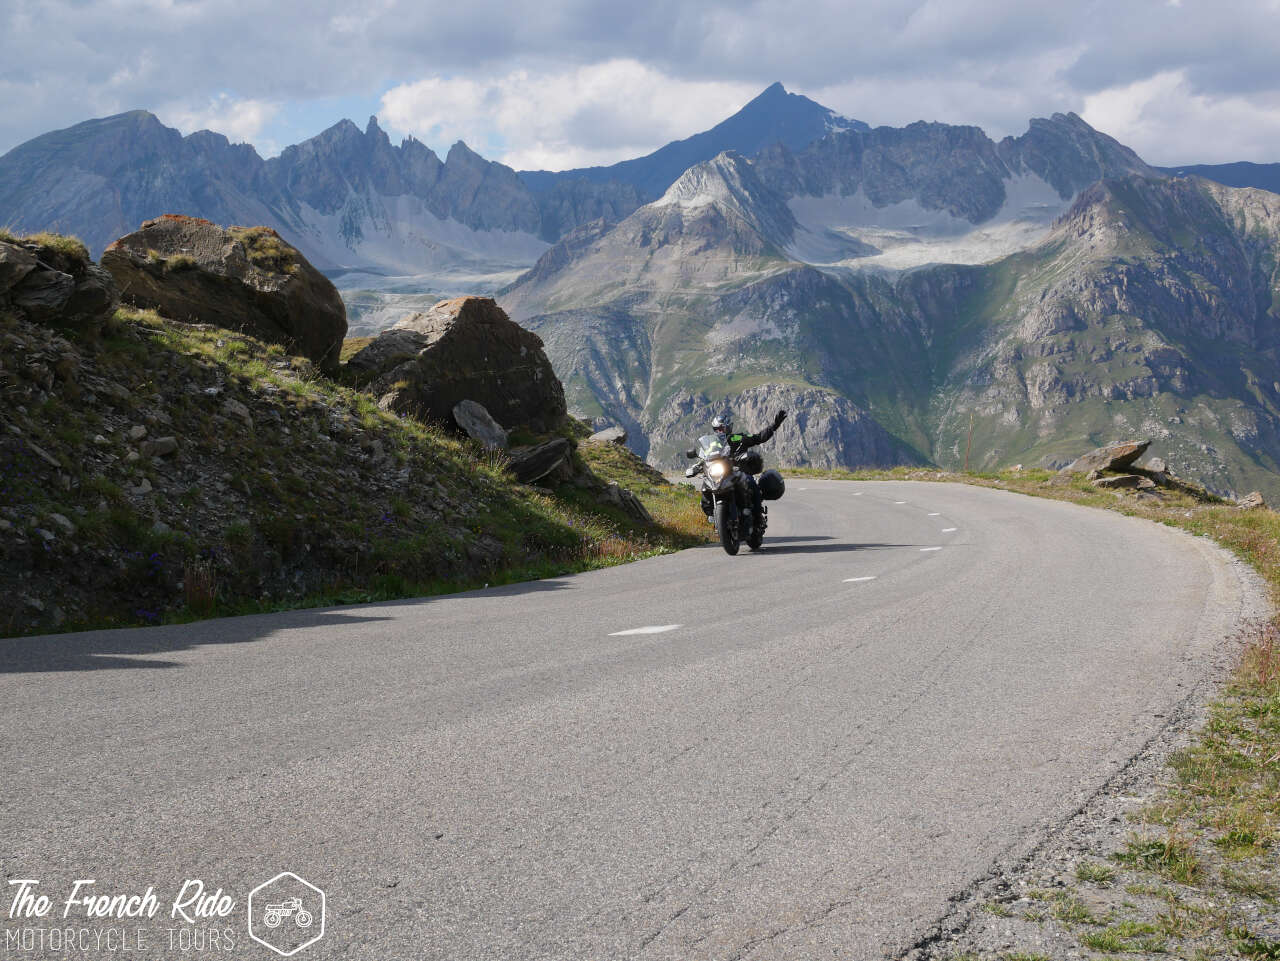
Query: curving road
(827, 741)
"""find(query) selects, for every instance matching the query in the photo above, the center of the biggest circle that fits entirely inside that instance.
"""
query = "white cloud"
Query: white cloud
(594, 114)
(1168, 122)
(239, 119)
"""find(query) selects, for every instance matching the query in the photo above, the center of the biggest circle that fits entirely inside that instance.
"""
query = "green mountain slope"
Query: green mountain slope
(1149, 308)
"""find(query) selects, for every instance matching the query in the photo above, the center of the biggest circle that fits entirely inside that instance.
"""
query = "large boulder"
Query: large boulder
(246, 279)
(1115, 457)
(51, 281)
(463, 349)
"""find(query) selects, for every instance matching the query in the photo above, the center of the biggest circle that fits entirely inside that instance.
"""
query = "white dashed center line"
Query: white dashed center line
(934, 514)
(857, 493)
(855, 580)
(923, 549)
(947, 530)
(656, 629)
(899, 502)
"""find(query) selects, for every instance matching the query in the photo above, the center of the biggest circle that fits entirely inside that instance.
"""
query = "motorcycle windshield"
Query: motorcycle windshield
(712, 445)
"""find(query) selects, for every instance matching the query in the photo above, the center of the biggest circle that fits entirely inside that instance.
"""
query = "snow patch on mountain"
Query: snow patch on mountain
(851, 232)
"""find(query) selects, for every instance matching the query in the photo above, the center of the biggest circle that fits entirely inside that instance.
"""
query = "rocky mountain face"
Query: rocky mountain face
(1149, 308)
(1152, 309)
(710, 291)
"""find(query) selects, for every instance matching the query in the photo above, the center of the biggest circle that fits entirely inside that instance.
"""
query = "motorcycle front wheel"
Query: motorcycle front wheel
(726, 527)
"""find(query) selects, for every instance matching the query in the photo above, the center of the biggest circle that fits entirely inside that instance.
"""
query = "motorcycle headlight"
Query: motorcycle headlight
(717, 469)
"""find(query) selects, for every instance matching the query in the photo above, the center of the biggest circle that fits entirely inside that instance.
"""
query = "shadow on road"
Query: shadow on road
(99, 650)
(120, 648)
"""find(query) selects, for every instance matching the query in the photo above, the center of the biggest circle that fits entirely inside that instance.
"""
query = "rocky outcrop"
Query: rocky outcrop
(243, 279)
(53, 282)
(463, 349)
(1111, 458)
(1251, 501)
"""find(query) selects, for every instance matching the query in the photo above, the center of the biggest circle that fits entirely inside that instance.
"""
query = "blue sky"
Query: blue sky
(586, 82)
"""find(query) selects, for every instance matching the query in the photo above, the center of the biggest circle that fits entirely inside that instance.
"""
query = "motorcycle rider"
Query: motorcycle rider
(722, 424)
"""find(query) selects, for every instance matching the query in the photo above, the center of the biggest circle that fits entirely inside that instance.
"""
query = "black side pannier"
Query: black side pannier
(752, 462)
(772, 486)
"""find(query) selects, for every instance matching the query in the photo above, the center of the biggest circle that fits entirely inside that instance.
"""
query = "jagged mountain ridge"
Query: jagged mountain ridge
(350, 199)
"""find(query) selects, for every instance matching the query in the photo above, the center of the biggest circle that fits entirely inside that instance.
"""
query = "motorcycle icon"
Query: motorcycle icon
(290, 907)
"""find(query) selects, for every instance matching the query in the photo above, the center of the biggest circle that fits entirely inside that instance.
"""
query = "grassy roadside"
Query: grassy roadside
(165, 472)
(1195, 872)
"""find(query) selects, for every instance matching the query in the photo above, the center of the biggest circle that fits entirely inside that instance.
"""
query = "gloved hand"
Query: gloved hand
(777, 421)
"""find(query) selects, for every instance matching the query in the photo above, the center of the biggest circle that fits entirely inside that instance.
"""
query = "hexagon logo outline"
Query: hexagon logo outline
(292, 909)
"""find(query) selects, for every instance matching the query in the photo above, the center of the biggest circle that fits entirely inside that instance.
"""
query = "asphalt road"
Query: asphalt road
(834, 737)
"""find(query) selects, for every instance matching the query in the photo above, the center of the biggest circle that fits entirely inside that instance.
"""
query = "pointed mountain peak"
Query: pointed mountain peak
(729, 182)
(774, 91)
(372, 126)
(461, 153)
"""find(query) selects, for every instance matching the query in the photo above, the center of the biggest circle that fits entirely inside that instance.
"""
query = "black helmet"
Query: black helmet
(722, 423)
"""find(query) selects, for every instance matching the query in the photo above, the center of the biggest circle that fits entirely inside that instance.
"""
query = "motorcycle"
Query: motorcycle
(290, 907)
(725, 490)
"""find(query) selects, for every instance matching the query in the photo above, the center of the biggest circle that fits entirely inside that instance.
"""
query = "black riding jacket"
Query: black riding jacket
(740, 442)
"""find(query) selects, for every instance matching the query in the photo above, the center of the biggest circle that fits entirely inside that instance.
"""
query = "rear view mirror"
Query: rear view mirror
(691, 454)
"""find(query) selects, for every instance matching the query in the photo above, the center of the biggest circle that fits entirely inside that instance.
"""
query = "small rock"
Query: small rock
(6, 525)
(44, 534)
(160, 527)
(63, 522)
(610, 435)
(116, 391)
(530, 464)
(233, 408)
(132, 457)
(142, 487)
(44, 455)
(33, 602)
(100, 441)
(477, 423)
(160, 447)
(1251, 501)
(1156, 465)
(137, 432)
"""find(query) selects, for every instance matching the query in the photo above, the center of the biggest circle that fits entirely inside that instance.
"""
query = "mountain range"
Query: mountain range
(896, 288)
